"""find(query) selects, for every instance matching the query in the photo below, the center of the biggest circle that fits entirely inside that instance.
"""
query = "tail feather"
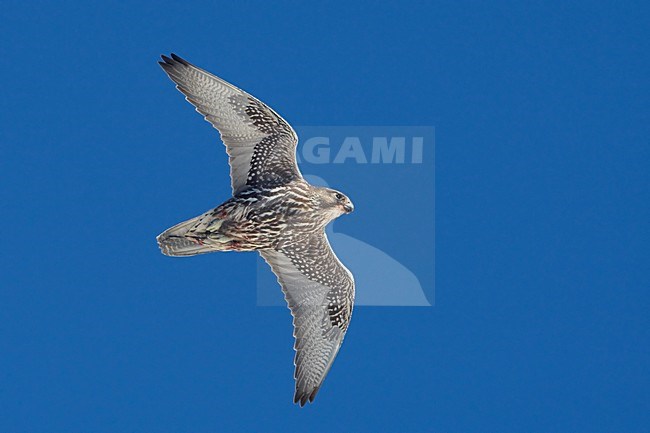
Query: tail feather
(198, 235)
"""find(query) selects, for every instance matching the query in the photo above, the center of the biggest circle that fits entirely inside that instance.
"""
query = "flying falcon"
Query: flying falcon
(274, 211)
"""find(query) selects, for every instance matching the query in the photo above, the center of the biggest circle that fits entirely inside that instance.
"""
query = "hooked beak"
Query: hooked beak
(348, 207)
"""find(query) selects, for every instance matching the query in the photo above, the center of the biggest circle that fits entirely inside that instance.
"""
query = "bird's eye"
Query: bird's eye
(339, 196)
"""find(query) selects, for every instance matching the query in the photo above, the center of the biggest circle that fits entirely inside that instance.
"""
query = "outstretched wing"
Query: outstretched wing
(320, 293)
(260, 143)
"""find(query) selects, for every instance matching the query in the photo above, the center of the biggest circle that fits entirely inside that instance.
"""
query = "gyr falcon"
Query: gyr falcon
(274, 211)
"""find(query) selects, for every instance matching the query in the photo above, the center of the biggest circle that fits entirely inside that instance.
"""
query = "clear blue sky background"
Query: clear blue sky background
(542, 123)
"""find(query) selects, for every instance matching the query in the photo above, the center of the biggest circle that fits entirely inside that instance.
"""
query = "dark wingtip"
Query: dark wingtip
(174, 60)
(302, 397)
(313, 394)
(180, 60)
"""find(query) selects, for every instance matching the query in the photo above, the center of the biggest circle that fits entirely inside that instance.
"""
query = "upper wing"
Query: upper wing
(320, 294)
(260, 143)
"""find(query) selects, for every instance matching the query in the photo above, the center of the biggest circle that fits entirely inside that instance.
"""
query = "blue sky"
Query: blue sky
(542, 117)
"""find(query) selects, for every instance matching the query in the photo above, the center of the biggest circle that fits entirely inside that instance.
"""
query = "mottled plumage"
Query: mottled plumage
(273, 210)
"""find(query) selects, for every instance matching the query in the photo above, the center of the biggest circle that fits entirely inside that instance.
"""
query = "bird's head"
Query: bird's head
(334, 202)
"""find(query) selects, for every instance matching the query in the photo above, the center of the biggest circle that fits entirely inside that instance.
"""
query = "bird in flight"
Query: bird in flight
(275, 211)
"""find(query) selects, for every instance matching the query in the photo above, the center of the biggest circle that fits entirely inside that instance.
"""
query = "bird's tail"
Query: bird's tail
(198, 235)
